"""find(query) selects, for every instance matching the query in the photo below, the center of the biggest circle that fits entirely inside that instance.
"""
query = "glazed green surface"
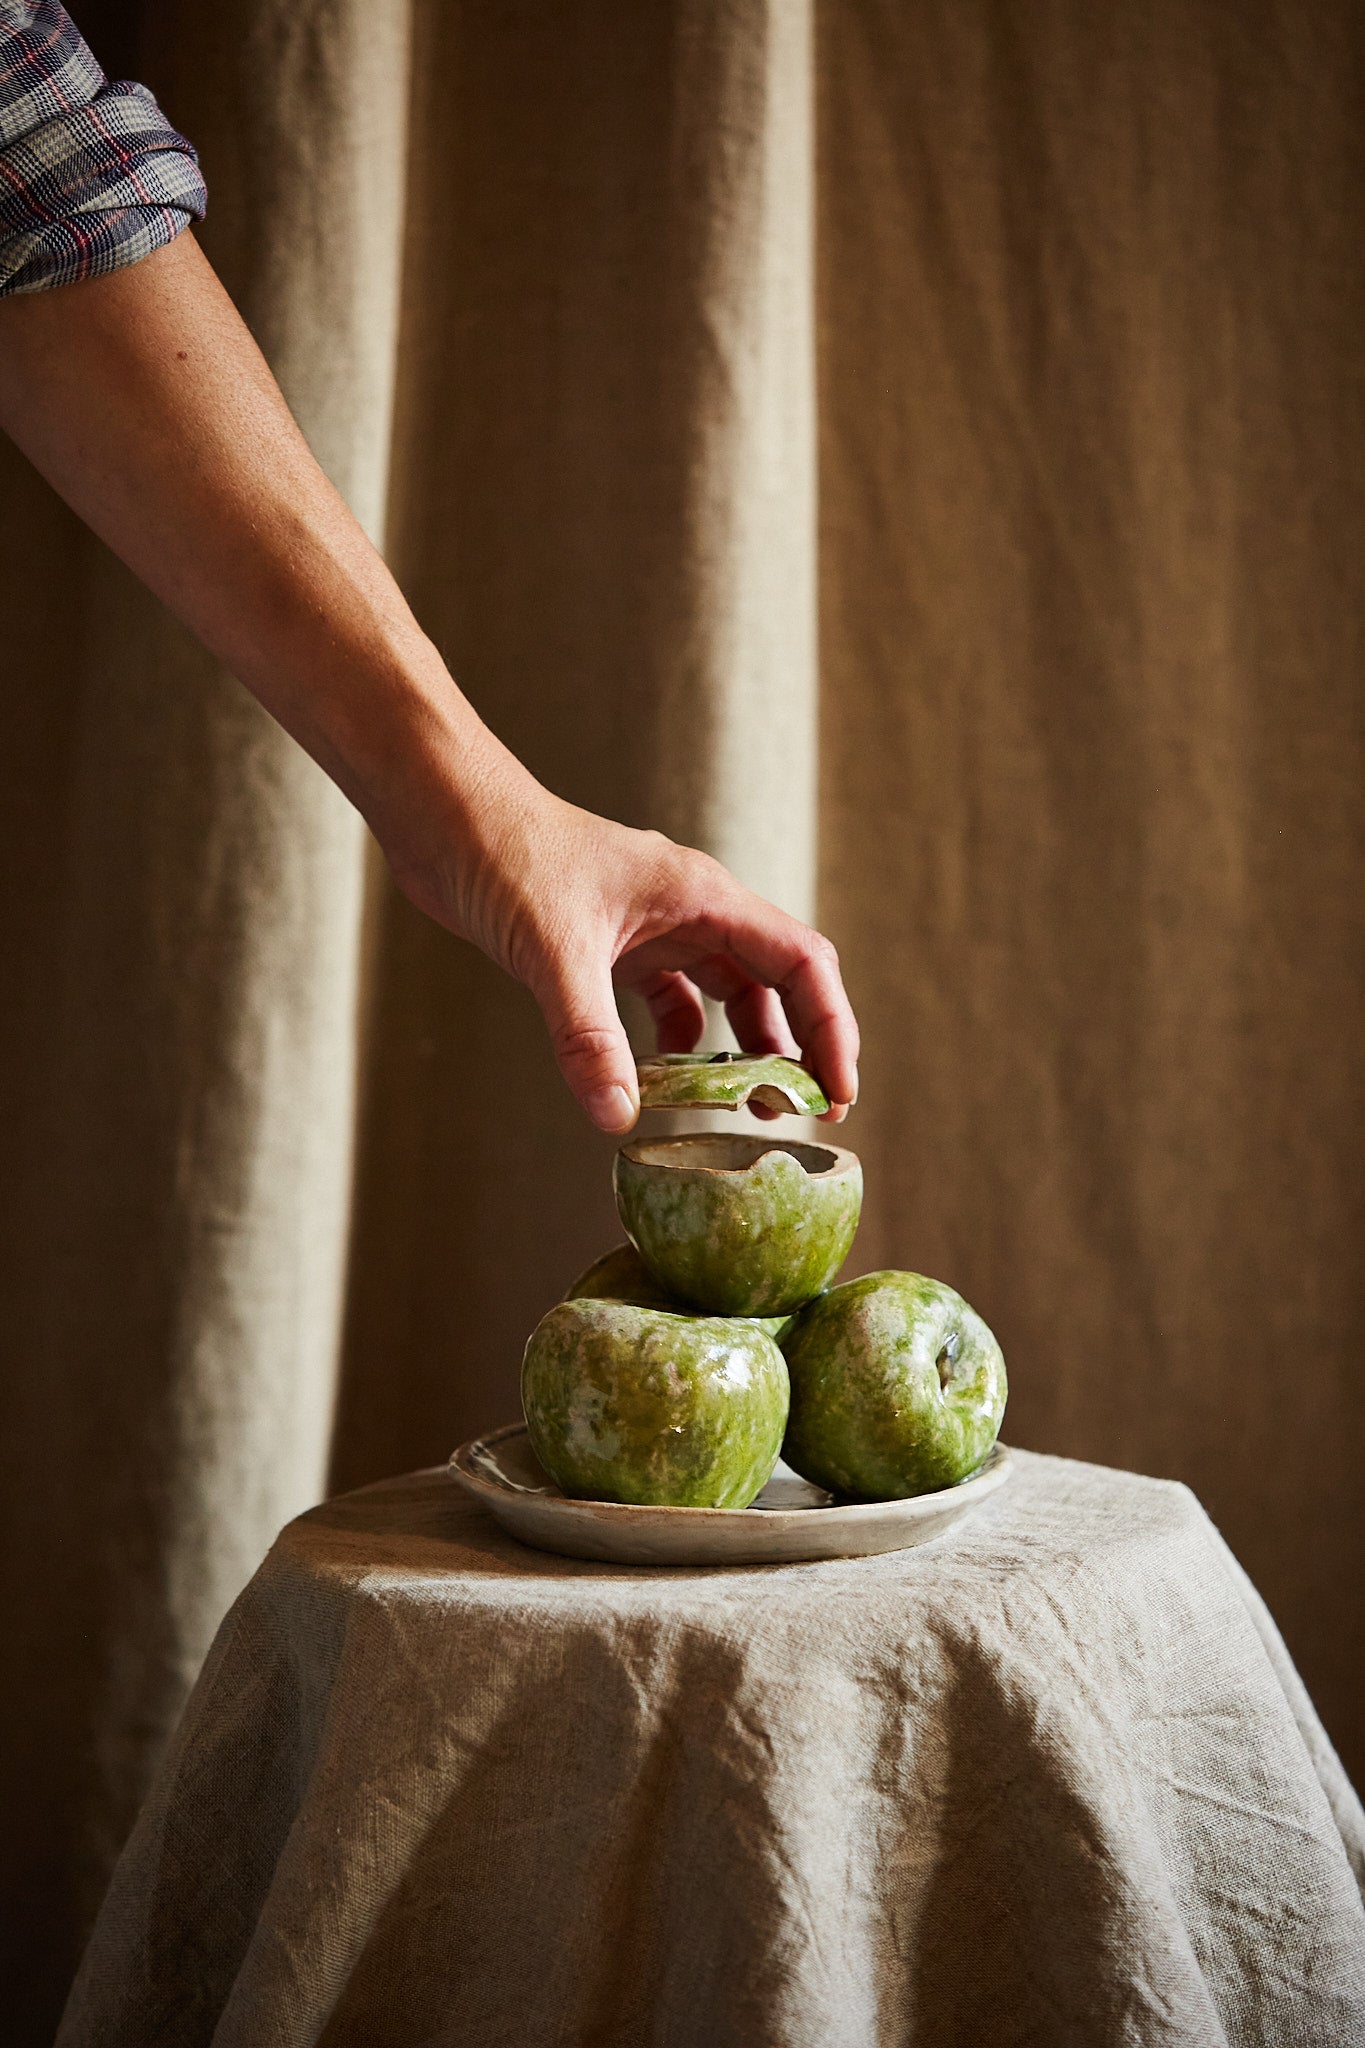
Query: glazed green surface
(873, 1414)
(659, 1409)
(685, 1080)
(622, 1275)
(753, 1242)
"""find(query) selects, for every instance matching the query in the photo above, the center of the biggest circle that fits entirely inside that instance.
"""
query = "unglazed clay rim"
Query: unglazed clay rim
(841, 1160)
(991, 1473)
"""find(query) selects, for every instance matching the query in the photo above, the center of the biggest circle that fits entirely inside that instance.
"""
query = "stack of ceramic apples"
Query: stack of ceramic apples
(682, 1364)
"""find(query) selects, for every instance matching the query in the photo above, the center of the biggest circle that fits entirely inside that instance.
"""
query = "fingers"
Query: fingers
(755, 1012)
(676, 1008)
(594, 1055)
(803, 968)
(755, 1015)
(743, 944)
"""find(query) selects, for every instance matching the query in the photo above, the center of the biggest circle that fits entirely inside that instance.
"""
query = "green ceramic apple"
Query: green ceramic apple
(739, 1226)
(622, 1275)
(727, 1080)
(660, 1409)
(897, 1388)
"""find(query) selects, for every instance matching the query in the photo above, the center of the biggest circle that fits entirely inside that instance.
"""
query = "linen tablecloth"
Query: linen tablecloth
(1051, 1779)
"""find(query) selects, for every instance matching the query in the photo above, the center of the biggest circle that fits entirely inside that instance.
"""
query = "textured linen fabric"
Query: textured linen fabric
(182, 910)
(1089, 792)
(1101, 541)
(1049, 1779)
(92, 175)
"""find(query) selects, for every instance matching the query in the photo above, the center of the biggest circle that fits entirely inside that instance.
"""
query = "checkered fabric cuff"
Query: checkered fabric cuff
(92, 175)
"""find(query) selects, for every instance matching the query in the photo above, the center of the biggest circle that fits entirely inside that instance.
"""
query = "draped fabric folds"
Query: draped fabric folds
(566, 299)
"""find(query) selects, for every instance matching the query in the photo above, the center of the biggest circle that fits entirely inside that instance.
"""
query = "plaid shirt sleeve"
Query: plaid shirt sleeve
(92, 175)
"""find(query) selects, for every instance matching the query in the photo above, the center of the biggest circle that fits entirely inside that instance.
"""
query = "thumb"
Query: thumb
(579, 1007)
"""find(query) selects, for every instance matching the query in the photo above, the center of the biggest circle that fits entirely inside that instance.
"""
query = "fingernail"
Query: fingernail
(855, 1088)
(611, 1109)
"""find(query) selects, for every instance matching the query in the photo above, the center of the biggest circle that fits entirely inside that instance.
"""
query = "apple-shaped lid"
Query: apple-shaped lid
(727, 1080)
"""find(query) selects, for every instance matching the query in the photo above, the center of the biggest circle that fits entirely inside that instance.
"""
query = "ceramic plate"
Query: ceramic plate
(790, 1521)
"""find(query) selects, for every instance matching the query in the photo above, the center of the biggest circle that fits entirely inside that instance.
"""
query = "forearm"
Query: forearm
(144, 401)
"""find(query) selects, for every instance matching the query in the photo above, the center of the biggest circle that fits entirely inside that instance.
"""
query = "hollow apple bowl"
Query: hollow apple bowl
(739, 1226)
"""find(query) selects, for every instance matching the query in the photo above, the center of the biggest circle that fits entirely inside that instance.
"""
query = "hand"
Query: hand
(571, 904)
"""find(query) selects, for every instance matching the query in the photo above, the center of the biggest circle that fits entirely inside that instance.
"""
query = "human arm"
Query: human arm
(142, 398)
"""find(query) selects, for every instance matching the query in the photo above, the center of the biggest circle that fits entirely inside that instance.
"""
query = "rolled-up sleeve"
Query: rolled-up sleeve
(92, 175)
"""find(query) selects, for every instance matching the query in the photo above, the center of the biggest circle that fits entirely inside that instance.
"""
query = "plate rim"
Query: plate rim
(991, 1473)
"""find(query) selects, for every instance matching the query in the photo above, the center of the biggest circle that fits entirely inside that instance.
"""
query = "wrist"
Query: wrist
(446, 800)
(407, 747)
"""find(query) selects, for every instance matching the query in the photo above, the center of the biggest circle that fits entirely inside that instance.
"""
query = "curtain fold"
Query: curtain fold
(566, 298)
(1093, 739)
(184, 948)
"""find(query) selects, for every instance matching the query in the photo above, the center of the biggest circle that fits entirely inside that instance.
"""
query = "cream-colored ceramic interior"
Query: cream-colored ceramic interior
(719, 1152)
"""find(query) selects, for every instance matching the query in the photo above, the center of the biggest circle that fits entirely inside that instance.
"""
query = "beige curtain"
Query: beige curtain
(1071, 300)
